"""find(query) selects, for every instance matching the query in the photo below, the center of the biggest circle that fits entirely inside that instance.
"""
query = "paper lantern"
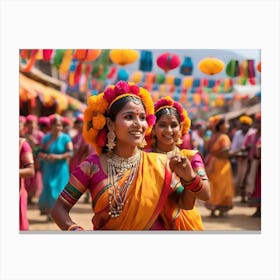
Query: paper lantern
(146, 61)
(211, 65)
(123, 57)
(86, 55)
(136, 77)
(188, 82)
(150, 78)
(169, 80)
(232, 68)
(259, 67)
(186, 67)
(168, 61)
(251, 68)
(122, 75)
(160, 78)
(47, 54)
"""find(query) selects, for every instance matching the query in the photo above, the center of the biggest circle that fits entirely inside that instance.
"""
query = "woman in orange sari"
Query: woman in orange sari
(129, 187)
(218, 168)
(172, 122)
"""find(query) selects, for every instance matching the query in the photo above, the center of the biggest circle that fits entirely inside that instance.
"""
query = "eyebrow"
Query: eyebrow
(133, 112)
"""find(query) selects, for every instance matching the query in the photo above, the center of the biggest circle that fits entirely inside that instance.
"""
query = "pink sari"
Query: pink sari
(25, 158)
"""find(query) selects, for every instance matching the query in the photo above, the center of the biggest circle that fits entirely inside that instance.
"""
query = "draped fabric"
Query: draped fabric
(185, 219)
(25, 158)
(220, 176)
(55, 173)
(146, 195)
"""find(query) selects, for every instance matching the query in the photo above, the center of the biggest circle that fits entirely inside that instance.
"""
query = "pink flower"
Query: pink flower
(134, 89)
(122, 87)
(151, 119)
(109, 94)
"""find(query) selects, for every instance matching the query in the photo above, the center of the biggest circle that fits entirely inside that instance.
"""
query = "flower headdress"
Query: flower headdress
(94, 129)
(246, 120)
(168, 102)
(214, 120)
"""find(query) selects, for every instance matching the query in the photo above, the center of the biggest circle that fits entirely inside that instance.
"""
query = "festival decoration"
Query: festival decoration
(211, 65)
(146, 61)
(259, 66)
(31, 55)
(168, 61)
(86, 55)
(186, 67)
(122, 75)
(136, 77)
(47, 54)
(232, 68)
(123, 57)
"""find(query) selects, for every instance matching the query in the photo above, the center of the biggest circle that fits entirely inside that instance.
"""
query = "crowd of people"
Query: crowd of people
(142, 165)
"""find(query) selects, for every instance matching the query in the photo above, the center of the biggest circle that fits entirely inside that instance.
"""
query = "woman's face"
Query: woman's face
(57, 126)
(130, 125)
(167, 131)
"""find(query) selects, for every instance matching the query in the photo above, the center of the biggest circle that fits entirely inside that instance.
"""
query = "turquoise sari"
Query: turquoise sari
(55, 173)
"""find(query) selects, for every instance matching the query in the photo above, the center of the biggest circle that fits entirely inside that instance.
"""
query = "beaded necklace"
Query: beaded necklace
(169, 154)
(117, 167)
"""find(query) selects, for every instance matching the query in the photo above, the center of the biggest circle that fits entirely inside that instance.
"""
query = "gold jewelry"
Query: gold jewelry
(169, 154)
(143, 144)
(111, 136)
(117, 167)
(179, 142)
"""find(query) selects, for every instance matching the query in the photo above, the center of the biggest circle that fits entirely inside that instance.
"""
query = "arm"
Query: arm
(27, 171)
(60, 214)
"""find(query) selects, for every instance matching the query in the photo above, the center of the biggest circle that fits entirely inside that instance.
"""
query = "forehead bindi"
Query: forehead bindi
(134, 108)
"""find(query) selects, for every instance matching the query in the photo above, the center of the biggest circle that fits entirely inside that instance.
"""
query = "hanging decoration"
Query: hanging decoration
(47, 54)
(122, 75)
(31, 55)
(232, 68)
(86, 55)
(211, 65)
(123, 57)
(168, 61)
(259, 67)
(186, 67)
(146, 61)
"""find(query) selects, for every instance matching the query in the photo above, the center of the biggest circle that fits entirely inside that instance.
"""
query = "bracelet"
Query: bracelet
(75, 227)
(195, 186)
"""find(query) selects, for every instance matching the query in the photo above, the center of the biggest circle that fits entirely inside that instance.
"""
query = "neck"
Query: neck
(165, 149)
(125, 153)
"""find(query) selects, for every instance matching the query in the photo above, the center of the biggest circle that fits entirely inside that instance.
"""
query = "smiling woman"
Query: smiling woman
(129, 187)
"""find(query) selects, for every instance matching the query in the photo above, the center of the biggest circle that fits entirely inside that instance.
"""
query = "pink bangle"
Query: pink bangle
(75, 227)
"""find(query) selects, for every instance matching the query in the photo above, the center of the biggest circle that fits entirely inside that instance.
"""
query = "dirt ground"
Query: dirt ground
(238, 219)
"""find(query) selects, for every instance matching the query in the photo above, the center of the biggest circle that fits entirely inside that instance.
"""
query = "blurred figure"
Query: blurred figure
(81, 148)
(34, 137)
(26, 169)
(44, 124)
(57, 148)
(240, 155)
(218, 168)
(22, 121)
(252, 143)
(67, 125)
(198, 137)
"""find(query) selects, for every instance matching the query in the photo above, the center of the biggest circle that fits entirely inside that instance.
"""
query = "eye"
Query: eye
(142, 117)
(174, 125)
(128, 117)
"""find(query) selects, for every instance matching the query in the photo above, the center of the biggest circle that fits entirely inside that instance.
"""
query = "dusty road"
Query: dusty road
(239, 218)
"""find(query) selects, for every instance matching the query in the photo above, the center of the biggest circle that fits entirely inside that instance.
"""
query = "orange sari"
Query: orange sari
(220, 176)
(146, 195)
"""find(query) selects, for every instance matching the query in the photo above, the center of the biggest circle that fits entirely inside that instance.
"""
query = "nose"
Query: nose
(136, 121)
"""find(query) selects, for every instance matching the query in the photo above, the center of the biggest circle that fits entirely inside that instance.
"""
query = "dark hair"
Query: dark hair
(119, 104)
(168, 111)
(218, 125)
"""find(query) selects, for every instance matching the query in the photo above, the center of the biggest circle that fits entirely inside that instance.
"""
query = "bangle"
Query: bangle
(195, 186)
(75, 227)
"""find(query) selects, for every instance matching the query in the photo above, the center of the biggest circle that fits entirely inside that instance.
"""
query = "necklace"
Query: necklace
(169, 154)
(117, 167)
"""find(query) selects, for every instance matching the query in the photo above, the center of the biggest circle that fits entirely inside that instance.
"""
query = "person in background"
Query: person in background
(81, 148)
(252, 143)
(198, 133)
(26, 169)
(22, 129)
(56, 149)
(218, 168)
(34, 137)
(172, 122)
(67, 125)
(240, 155)
(44, 124)
(129, 187)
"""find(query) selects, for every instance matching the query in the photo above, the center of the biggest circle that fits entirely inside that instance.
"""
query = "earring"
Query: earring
(143, 144)
(179, 142)
(111, 136)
